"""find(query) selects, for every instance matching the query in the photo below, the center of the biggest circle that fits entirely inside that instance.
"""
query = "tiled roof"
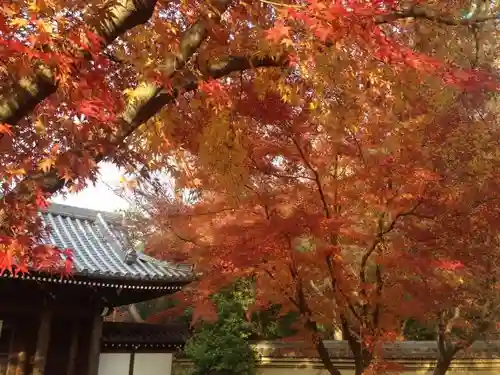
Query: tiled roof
(100, 250)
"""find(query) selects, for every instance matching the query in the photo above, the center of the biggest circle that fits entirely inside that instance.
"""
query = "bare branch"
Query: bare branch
(316, 177)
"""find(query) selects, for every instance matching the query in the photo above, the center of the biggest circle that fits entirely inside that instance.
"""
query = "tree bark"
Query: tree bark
(442, 366)
(362, 357)
(325, 358)
(108, 24)
(362, 360)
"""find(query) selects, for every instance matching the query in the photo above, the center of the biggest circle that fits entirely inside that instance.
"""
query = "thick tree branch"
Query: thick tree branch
(148, 98)
(378, 291)
(144, 102)
(381, 232)
(362, 356)
(122, 15)
(414, 11)
(421, 12)
(50, 182)
(109, 23)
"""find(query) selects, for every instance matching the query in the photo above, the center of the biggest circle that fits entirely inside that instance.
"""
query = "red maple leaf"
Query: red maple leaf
(278, 33)
(451, 265)
(6, 128)
(40, 200)
(322, 33)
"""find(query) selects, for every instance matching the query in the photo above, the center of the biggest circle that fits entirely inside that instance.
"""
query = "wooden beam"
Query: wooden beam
(42, 342)
(73, 349)
(131, 363)
(95, 345)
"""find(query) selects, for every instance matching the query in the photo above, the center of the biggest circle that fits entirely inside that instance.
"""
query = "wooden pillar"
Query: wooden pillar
(95, 345)
(73, 349)
(22, 361)
(42, 343)
(18, 356)
(14, 349)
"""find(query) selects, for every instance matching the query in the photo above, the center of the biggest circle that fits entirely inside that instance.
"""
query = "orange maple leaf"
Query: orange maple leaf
(5, 128)
(46, 164)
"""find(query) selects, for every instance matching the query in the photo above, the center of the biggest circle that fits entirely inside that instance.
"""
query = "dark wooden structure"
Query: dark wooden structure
(53, 326)
(127, 337)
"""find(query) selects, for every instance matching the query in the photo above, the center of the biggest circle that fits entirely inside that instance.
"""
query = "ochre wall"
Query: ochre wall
(314, 367)
(297, 366)
(290, 358)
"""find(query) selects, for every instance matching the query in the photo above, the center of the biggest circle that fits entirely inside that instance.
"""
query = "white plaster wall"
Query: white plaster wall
(114, 364)
(151, 364)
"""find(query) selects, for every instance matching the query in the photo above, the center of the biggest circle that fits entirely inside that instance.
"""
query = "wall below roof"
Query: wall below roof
(135, 364)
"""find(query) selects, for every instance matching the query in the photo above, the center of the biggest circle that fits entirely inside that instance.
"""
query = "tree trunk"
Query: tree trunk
(362, 359)
(325, 358)
(442, 366)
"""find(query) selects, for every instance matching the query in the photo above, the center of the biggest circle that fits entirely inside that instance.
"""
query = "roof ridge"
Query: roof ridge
(79, 212)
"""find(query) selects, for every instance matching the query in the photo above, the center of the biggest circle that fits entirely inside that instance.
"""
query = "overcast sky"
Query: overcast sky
(99, 197)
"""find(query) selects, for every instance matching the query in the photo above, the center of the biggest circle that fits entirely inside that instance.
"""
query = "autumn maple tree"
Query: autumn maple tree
(354, 192)
(354, 222)
(308, 123)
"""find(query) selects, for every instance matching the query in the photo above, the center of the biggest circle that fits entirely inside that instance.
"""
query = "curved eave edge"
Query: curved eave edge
(102, 282)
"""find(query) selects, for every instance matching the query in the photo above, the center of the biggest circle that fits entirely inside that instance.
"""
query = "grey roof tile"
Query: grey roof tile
(99, 248)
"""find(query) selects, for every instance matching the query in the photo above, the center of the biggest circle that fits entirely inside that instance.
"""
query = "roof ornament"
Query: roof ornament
(130, 253)
(130, 256)
(117, 240)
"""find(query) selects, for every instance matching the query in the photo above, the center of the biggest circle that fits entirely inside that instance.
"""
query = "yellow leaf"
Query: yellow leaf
(19, 22)
(16, 172)
(45, 27)
(33, 7)
(46, 164)
(40, 127)
(67, 176)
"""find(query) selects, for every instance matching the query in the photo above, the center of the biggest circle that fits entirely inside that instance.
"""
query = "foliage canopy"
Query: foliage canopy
(343, 154)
